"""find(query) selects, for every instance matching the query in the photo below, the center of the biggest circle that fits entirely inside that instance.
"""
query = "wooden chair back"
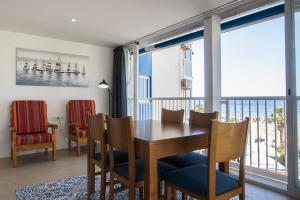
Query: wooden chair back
(202, 119)
(121, 137)
(96, 128)
(172, 116)
(227, 142)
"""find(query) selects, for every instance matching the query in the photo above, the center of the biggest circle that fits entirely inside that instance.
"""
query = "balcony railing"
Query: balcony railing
(150, 108)
(266, 146)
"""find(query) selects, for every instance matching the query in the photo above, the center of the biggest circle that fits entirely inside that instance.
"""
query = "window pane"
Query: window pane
(130, 82)
(297, 45)
(253, 80)
(253, 60)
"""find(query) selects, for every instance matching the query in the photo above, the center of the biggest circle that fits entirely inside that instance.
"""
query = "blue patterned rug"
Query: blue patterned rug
(73, 188)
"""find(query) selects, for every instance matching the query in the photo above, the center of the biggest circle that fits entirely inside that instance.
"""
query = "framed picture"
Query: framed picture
(43, 68)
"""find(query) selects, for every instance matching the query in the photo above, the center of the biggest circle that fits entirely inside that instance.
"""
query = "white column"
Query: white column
(212, 64)
(136, 79)
(133, 48)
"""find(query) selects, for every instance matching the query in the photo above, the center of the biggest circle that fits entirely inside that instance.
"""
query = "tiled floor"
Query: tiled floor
(38, 168)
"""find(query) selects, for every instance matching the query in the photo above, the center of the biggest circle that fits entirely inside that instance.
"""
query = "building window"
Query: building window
(144, 86)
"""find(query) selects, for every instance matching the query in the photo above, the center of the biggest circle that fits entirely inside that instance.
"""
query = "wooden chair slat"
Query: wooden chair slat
(172, 116)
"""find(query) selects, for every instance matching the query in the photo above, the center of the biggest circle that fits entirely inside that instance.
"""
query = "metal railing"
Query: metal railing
(266, 146)
(150, 108)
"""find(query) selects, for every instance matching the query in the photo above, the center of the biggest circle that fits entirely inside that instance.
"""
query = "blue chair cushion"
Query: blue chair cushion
(162, 168)
(194, 179)
(119, 156)
(186, 159)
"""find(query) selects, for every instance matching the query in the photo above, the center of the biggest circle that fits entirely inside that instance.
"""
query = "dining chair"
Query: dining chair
(97, 138)
(199, 119)
(131, 174)
(172, 116)
(227, 141)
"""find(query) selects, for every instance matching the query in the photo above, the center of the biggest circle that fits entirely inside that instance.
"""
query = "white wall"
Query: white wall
(166, 72)
(100, 66)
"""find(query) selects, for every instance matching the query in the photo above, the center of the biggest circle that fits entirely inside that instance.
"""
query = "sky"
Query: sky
(253, 60)
(297, 46)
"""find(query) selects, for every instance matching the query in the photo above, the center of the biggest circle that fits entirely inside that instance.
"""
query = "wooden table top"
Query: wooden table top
(155, 131)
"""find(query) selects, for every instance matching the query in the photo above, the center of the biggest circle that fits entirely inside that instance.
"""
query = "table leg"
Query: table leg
(150, 174)
(224, 167)
(91, 178)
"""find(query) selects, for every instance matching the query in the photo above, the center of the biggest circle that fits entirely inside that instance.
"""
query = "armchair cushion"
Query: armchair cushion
(194, 179)
(29, 116)
(78, 110)
(34, 138)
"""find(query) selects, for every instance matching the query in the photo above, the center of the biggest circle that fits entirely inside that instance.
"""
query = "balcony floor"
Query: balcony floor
(38, 168)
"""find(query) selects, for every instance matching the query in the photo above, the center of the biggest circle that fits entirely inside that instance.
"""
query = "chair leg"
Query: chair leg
(54, 151)
(131, 192)
(69, 142)
(184, 196)
(242, 196)
(11, 153)
(103, 184)
(14, 156)
(91, 179)
(46, 151)
(174, 194)
(78, 147)
(141, 193)
(168, 192)
(111, 187)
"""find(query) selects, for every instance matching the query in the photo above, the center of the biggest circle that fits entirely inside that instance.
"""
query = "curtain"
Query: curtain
(119, 94)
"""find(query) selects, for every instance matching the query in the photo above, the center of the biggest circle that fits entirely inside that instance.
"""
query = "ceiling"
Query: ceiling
(101, 22)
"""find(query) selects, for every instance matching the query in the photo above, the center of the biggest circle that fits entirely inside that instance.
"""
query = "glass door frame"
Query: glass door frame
(293, 187)
(291, 99)
(133, 49)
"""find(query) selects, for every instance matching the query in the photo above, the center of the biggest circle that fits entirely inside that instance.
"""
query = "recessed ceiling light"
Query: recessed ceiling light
(73, 20)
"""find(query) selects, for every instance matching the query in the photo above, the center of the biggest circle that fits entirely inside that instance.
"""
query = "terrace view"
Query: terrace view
(154, 100)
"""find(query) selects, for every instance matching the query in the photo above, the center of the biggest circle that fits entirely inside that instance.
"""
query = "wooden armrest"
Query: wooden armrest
(12, 129)
(74, 124)
(52, 126)
(13, 134)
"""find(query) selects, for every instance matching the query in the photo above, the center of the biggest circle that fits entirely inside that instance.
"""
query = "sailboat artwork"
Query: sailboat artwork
(76, 71)
(26, 68)
(43, 68)
(83, 70)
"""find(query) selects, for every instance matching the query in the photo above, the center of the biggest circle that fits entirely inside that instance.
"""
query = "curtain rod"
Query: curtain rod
(206, 13)
(194, 19)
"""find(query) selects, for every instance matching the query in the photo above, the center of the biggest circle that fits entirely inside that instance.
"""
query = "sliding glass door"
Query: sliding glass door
(292, 29)
(297, 64)
(131, 55)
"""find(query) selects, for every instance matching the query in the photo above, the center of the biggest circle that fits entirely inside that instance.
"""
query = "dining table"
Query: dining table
(155, 140)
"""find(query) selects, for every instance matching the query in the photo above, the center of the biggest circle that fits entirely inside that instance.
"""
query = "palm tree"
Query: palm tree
(199, 108)
(280, 121)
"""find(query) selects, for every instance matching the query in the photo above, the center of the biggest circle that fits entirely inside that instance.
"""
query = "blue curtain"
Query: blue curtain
(119, 94)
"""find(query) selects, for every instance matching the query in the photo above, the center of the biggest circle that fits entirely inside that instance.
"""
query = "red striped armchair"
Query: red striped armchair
(77, 111)
(30, 128)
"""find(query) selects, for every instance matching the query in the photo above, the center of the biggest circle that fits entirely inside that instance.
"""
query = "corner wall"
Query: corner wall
(100, 66)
